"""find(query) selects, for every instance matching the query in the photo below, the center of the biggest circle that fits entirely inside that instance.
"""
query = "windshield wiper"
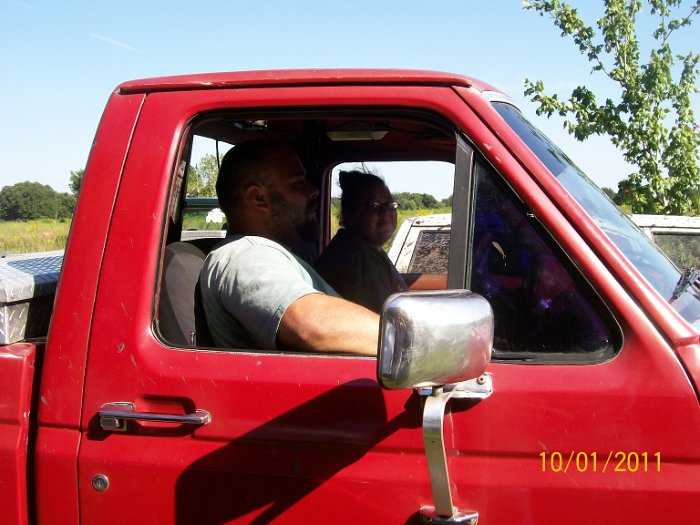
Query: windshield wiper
(688, 278)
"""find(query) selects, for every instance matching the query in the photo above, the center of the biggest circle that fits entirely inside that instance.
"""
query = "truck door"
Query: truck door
(585, 387)
(231, 435)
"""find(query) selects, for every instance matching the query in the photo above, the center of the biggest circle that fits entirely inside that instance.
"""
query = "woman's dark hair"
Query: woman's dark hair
(352, 183)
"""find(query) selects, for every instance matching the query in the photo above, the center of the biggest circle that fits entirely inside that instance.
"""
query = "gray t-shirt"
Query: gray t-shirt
(247, 284)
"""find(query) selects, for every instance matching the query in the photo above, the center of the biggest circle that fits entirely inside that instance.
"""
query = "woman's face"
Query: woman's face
(374, 218)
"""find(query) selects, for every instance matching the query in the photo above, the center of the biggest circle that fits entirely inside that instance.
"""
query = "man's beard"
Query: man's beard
(291, 226)
(309, 230)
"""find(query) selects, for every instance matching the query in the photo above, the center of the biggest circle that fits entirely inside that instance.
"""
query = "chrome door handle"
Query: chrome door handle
(114, 416)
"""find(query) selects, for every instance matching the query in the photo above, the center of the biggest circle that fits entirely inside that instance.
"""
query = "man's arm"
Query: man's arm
(322, 323)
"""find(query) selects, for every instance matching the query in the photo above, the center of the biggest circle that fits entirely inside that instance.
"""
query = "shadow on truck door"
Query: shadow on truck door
(292, 464)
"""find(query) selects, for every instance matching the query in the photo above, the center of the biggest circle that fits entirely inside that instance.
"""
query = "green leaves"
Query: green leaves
(417, 201)
(652, 121)
(76, 180)
(201, 179)
(32, 200)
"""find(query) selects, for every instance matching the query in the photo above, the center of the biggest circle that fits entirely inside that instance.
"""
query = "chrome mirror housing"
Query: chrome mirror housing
(440, 342)
(434, 338)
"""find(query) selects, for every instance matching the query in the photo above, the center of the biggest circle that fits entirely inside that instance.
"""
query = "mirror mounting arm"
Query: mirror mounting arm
(436, 400)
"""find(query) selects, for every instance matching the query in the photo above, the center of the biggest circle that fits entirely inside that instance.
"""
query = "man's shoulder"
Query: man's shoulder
(247, 253)
(238, 244)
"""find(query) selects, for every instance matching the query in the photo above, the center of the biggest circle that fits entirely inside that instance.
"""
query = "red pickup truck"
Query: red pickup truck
(561, 388)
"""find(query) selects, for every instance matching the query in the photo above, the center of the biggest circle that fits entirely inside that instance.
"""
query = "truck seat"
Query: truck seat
(181, 266)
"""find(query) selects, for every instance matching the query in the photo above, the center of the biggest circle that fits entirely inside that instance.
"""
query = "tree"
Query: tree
(201, 180)
(407, 200)
(32, 200)
(447, 202)
(428, 201)
(76, 180)
(416, 201)
(653, 96)
(609, 192)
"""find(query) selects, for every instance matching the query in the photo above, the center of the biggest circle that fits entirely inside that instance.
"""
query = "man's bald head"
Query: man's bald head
(248, 163)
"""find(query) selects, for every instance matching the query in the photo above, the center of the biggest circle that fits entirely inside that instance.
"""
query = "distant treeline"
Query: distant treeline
(411, 201)
(27, 201)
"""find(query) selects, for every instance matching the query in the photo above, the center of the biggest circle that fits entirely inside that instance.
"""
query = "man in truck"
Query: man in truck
(256, 292)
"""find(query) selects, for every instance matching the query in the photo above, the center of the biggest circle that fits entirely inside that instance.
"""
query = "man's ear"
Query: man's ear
(258, 197)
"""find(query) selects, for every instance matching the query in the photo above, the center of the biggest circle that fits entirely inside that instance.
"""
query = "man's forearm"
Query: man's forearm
(321, 323)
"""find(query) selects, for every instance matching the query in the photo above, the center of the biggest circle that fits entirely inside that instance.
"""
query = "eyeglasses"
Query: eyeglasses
(388, 206)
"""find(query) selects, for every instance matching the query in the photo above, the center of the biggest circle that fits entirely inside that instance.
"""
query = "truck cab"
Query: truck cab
(592, 409)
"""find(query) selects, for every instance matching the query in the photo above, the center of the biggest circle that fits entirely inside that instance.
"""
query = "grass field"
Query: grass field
(196, 220)
(403, 215)
(33, 236)
(45, 234)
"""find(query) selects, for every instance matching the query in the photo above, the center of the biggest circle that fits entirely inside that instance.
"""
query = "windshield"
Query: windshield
(638, 248)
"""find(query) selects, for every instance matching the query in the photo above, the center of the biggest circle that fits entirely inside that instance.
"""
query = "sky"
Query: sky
(61, 60)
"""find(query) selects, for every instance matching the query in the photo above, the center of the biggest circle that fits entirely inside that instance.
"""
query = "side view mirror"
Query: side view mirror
(441, 343)
(434, 338)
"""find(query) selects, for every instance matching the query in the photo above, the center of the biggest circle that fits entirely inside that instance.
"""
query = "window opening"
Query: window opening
(544, 312)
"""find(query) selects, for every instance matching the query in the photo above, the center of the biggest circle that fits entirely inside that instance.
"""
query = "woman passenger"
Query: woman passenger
(354, 263)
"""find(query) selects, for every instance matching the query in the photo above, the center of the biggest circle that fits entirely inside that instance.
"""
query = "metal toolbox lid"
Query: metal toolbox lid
(25, 276)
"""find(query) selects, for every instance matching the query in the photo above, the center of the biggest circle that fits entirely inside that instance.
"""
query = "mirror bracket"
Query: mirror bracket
(479, 388)
(436, 399)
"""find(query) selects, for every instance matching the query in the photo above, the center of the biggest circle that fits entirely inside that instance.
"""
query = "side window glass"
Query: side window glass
(542, 313)
(201, 216)
(412, 154)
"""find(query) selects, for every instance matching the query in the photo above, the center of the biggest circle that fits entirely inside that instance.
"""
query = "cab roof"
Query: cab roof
(300, 77)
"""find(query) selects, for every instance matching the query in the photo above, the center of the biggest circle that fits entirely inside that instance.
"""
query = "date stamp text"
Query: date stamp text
(613, 461)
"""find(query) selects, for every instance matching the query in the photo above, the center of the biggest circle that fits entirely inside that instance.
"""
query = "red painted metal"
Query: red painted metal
(63, 372)
(307, 77)
(56, 479)
(296, 437)
(286, 429)
(690, 357)
(61, 383)
(16, 382)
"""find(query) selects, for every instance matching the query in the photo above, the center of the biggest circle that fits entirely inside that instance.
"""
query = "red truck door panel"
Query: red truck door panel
(16, 383)
(300, 438)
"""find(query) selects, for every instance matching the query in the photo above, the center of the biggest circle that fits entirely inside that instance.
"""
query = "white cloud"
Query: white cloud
(115, 42)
